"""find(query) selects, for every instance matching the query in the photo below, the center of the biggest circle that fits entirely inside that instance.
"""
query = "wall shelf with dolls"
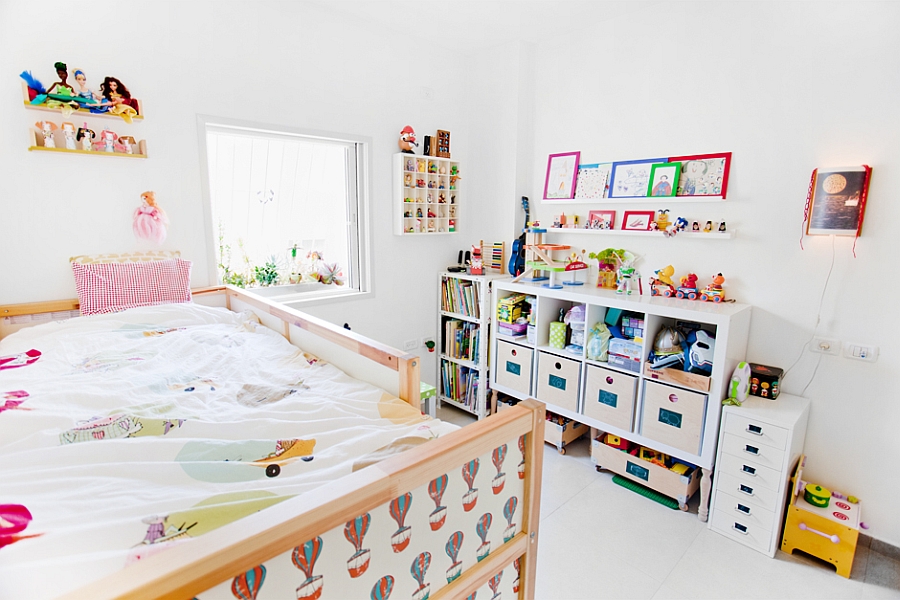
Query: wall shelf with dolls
(47, 136)
(426, 195)
(111, 99)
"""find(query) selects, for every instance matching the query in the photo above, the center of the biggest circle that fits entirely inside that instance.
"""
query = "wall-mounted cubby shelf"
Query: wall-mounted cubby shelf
(426, 195)
(712, 235)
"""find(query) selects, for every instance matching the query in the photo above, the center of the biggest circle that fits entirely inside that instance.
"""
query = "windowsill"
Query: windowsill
(303, 295)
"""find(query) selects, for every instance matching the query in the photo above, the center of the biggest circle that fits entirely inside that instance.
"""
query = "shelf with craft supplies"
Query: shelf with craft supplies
(712, 235)
(72, 141)
(82, 111)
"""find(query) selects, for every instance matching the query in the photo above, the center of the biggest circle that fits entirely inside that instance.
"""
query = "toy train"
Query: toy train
(662, 285)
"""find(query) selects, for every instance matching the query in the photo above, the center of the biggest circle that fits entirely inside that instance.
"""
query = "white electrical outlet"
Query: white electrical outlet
(825, 346)
(861, 352)
(410, 345)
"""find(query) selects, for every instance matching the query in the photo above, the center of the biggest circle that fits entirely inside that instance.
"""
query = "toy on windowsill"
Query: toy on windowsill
(69, 132)
(714, 291)
(47, 128)
(688, 287)
(407, 140)
(662, 284)
(150, 221)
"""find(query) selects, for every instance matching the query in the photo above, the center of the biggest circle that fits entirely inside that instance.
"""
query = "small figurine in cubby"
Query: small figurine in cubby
(441, 198)
(419, 212)
(420, 183)
(452, 211)
(47, 128)
(407, 180)
(432, 167)
(410, 230)
(441, 185)
(443, 169)
(408, 200)
(407, 140)
(85, 136)
(452, 225)
(722, 227)
(431, 214)
(420, 166)
(410, 165)
(431, 185)
(407, 214)
(418, 226)
(708, 227)
(452, 198)
(430, 198)
(431, 227)
(714, 292)
(454, 169)
(69, 132)
(453, 182)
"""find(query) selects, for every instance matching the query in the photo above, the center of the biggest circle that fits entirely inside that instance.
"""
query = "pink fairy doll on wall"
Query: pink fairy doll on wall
(150, 221)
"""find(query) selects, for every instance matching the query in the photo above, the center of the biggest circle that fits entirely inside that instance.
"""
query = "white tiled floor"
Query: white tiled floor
(599, 540)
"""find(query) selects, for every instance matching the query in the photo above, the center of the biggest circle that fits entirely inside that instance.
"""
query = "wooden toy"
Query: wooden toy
(542, 259)
(815, 525)
(443, 143)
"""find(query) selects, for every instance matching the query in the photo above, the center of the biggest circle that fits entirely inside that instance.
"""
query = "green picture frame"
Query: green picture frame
(663, 180)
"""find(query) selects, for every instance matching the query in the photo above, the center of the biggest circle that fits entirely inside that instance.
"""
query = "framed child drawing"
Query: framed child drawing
(703, 174)
(593, 181)
(663, 179)
(562, 170)
(630, 178)
(637, 220)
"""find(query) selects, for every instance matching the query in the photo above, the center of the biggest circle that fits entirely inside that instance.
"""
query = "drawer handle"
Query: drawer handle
(834, 538)
(514, 353)
(673, 398)
(751, 450)
(609, 380)
(741, 508)
(558, 366)
(749, 470)
(754, 429)
(742, 529)
(746, 489)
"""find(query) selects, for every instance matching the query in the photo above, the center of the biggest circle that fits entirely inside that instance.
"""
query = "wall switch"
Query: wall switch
(825, 346)
(861, 352)
(410, 345)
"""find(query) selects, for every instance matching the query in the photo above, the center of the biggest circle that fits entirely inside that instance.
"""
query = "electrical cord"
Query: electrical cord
(816, 327)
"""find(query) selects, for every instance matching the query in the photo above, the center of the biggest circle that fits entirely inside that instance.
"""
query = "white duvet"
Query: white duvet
(123, 434)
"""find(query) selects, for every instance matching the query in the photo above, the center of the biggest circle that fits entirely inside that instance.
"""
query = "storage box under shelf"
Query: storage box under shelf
(665, 481)
(561, 435)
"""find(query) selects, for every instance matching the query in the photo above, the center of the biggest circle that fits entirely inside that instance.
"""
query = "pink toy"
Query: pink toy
(150, 221)
(109, 142)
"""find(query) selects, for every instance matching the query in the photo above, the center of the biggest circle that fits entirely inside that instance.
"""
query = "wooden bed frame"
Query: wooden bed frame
(185, 570)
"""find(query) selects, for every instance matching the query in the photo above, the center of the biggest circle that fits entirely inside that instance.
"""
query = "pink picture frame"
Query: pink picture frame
(608, 217)
(562, 176)
(637, 220)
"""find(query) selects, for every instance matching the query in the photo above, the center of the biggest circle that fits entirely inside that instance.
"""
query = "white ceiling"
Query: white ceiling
(466, 25)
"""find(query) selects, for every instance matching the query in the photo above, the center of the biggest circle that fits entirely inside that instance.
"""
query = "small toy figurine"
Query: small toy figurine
(654, 226)
(452, 198)
(410, 165)
(681, 224)
(452, 211)
(626, 274)
(722, 226)
(662, 284)
(419, 212)
(714, 291)
(695, 226)
(118, 98)
(420, 166)
(453, 181)
(430, 198)
(108, 141)
(420, 183)
(443, 170)
(432, 167)
(407, 214)
(62, 71)
(407, 199)
(708, 227)
(86, 95)
(441, 185)
(85, 136)
(68, 130)
(431, 185)
(407, 180)
(454, 169)
(407, 140)
(662, 219)
(430, 226)
(150, 221)
(127, 143)
(452, 225)
(441, 198)
(418, 226)
(431, 214)
(688, 287)
(477, 265)
(47, 128)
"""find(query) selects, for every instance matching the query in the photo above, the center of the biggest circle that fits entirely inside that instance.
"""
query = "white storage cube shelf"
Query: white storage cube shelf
(664, 412)
(417, 193)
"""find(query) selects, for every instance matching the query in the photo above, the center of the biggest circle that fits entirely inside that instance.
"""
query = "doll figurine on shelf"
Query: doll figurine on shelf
(127, 144)
(69, 132)
(62, 71)
(47, 128)
(86, 96)
(85, 136)
(108, 141)
(117, 97)
(150, 221)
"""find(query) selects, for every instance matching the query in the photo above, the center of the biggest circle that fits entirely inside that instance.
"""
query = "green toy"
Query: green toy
(645, 491)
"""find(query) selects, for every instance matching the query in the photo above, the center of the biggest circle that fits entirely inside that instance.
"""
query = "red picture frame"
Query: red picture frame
(608, 216)
(713, 187)
(637, 220)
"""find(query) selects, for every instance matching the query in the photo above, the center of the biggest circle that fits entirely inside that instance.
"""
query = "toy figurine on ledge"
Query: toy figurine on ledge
(407, 140)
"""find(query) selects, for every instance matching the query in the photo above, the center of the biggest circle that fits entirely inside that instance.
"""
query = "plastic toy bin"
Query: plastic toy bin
(609, 397)
(558, 380)
(673, 416)
(514, 366)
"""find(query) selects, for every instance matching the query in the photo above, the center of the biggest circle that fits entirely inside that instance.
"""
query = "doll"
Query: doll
(108, 141)
(68, 130)
(150, 221)
(47, 128)
(127, 144)
(85, 136)
(62, 71)
(117, 97)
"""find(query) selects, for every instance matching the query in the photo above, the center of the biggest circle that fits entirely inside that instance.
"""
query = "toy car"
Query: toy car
(714, 291)
(688, 287)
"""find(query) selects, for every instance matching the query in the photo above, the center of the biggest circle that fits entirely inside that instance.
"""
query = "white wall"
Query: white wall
(786, 87)
(285, 63)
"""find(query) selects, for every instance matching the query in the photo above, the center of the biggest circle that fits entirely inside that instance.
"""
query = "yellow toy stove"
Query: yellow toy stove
(821, 524)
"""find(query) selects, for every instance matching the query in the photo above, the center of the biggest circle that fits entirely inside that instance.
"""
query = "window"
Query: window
(286, 209)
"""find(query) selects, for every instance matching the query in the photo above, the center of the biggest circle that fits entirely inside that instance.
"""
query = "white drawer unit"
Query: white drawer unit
(759, 445)
(514, 366)
(558, 380)
(609, 397)
(673, 416)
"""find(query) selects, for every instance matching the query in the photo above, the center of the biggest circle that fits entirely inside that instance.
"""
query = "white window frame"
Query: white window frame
(359, 168)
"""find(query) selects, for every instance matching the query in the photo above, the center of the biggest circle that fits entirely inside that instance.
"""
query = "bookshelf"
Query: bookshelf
(464, 316)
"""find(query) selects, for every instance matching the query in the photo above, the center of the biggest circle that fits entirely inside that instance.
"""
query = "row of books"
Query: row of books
(460, 384)
(460, 296)
(461, 340)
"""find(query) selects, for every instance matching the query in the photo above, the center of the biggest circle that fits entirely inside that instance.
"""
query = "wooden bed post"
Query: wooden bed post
(534, 463)
(408, 366)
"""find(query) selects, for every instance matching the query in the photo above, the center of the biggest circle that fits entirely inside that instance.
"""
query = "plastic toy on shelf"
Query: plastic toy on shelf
(714, 291)
(662, 284)
(543, 260)
(626, 275)
(407, 140)
(688, 287)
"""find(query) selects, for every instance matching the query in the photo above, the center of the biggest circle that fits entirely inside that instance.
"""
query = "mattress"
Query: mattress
(123, 434)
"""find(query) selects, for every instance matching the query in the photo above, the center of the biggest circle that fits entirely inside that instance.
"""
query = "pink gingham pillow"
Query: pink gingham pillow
(111, 287)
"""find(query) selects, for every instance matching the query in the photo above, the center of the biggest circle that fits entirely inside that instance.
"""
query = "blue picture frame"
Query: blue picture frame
(627, 180)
